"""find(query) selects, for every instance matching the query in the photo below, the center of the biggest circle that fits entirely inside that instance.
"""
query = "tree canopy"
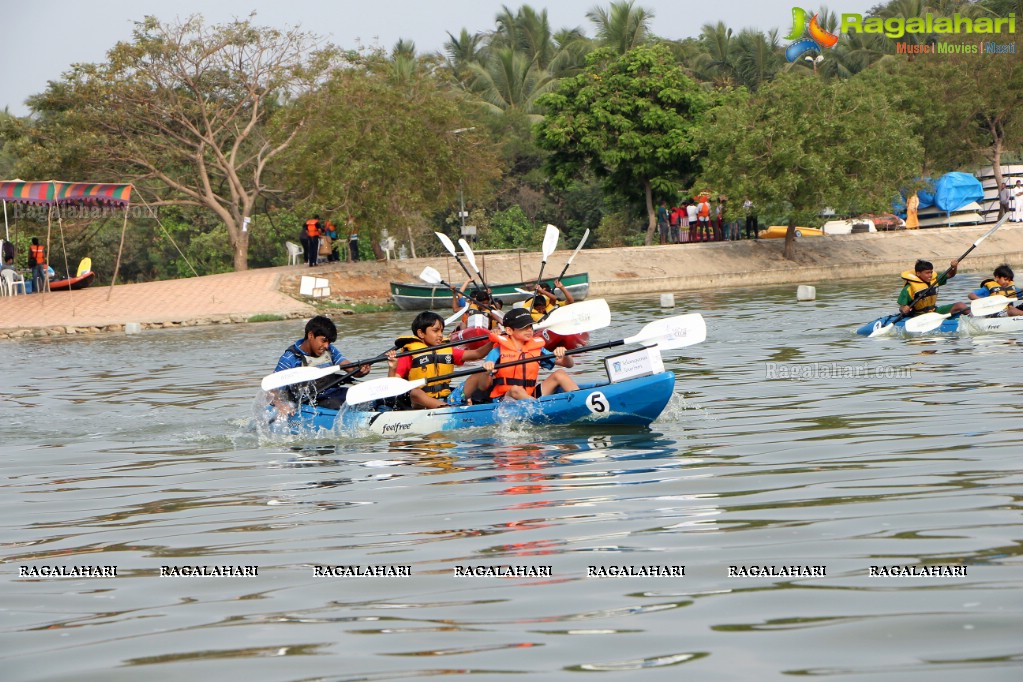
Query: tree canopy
(799, 145)
(630, 119)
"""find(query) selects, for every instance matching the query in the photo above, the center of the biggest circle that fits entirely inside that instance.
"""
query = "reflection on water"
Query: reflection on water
(791, 442)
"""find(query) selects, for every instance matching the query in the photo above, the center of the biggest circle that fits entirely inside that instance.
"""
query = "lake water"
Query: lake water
(790, 442)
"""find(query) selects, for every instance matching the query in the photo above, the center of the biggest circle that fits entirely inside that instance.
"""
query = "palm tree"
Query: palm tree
(466, 49)
(756, 57)
(716, 64)
(622, 26)
(509, 80)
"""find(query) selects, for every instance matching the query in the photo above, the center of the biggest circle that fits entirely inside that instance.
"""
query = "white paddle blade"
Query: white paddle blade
(583, 316)
(925, 322)
(882, 330)
(295, 375)
(523, 291)
(550, 241)
(673, 332)
(378, 389)
(990, 305)
(449, 320)
(469, 255)
(430, 276)
(447, 243)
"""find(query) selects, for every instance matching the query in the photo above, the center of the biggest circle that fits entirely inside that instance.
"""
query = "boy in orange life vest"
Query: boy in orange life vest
(428, 328)
(519, 381)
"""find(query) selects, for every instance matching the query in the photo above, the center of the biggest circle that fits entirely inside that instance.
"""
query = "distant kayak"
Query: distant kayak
(73, 283)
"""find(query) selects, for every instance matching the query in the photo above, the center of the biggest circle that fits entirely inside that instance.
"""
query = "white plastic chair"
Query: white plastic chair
(11, 281)
(295, 253)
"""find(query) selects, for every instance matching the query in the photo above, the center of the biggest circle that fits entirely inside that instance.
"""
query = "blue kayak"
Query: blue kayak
(948, 326)
(632, 402)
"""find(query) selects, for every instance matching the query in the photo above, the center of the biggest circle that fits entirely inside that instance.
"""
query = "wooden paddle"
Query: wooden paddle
(573, 319)
(979, 307)
(669, 333)
(929, 290)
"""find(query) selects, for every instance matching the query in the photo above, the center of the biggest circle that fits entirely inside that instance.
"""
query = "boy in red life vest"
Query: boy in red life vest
(519, 382)
(428, 328)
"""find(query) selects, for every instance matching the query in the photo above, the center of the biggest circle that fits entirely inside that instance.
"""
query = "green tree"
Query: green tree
(182, 111)
(629, 120)
(386, 152)
(799, 145)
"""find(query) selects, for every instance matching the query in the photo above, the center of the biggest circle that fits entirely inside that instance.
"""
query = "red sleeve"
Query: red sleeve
(404, 365)
(456, 355)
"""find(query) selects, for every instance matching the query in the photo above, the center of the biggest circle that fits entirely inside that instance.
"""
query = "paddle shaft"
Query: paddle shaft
(535, 358)
(582, 241)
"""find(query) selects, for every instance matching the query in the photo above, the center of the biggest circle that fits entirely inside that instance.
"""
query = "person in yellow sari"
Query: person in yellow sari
(912, 206)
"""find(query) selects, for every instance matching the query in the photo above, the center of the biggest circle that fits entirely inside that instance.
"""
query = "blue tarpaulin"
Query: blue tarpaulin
(955, 190)
(951, 192)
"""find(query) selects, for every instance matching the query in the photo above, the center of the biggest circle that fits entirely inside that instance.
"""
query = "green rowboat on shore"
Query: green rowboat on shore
(435, 297)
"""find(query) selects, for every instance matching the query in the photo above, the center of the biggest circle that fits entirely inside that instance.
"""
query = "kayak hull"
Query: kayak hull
(962, 324)
(632, 402)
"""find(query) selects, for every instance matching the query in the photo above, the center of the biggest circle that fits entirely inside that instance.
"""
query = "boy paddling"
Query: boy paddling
(1000, 284)
(920, 293)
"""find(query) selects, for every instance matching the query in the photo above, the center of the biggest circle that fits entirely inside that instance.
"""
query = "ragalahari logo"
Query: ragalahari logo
(808, 35)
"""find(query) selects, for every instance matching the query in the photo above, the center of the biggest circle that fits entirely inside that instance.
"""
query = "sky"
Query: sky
(42, 39)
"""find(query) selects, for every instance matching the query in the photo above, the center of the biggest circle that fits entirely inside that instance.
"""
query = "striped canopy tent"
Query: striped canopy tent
(55, 193)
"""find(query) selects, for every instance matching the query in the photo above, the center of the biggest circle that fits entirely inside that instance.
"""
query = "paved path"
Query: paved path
(199, 298)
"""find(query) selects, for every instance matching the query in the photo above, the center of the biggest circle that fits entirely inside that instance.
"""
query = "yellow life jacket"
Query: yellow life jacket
(428, 365)
(541, 310)
(916, 285)
(993, 288)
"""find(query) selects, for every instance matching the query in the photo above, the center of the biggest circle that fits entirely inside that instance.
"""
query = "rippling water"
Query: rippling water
(791, 442)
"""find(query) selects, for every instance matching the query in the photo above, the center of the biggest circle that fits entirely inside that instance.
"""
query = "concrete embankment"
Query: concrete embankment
(237, 297)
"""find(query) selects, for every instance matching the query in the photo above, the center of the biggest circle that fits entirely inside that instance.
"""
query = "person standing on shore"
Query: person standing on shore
(1017, 194)
(37, 263)
(311, 232)
(752, 226)
(353, 239)
(912, 207)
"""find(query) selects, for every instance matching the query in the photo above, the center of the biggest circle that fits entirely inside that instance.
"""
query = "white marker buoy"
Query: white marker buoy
(806, 293)
(667, 300)
(132, 328)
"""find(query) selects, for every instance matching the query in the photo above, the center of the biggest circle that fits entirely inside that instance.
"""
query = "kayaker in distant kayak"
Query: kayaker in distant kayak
(920, 293)
(519, 381)
(314, 350)
(1000, 284)
(545, 301)
(428, 330)
(480, 305)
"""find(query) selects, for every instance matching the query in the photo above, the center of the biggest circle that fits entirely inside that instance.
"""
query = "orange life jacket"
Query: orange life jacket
(37, 254)
(312, 228)
(523, 375)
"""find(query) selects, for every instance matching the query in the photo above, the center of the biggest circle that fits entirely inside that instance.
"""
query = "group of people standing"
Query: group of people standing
(37, 263)
(318, 237)
(696, 220)
(1010, 200)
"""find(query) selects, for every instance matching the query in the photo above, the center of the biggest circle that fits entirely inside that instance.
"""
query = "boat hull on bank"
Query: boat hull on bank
(632, 402)
(435, 297)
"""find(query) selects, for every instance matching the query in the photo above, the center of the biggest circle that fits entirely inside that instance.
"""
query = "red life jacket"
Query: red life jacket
(37, 254)
(312, 228)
